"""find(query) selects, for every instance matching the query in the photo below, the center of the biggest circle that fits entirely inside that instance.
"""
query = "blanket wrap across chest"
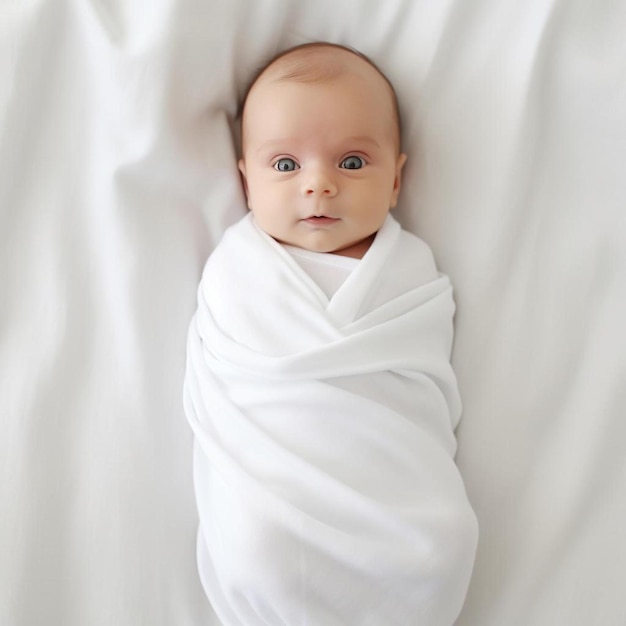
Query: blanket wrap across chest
(323, 466)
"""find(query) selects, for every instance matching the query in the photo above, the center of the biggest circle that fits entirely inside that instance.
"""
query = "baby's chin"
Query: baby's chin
(357, 249)
(354, 249)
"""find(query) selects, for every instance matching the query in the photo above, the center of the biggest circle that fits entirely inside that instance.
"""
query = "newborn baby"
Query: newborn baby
(318, 384)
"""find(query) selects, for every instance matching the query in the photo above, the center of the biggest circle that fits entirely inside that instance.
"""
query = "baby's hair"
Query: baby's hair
(295, 64)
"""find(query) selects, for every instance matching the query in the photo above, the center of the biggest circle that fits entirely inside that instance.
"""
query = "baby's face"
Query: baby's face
(321, 165)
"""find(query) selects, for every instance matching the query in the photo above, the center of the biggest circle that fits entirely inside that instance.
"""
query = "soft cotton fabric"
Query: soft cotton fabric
(328, 271)
(324, 471)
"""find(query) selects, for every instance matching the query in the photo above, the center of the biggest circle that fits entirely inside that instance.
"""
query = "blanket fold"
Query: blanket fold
(326, 486)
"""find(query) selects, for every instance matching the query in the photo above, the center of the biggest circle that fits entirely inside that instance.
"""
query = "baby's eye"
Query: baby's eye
(352, 163)
(286, 165)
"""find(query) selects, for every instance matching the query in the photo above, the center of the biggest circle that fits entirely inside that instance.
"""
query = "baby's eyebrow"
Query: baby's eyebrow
(363, 139)
(288, 143)
(275, 144)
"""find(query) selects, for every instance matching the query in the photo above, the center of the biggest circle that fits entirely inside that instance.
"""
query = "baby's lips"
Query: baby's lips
(320, 219)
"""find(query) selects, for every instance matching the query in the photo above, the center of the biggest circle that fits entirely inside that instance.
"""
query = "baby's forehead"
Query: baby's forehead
(320, 65)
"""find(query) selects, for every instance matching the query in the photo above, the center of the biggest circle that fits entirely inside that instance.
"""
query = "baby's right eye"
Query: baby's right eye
(286, 165)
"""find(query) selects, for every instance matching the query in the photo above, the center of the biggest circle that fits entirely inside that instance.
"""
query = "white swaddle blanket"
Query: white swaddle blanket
(325, 481)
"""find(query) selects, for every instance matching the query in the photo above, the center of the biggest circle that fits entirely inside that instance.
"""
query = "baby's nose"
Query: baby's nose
(320, 182)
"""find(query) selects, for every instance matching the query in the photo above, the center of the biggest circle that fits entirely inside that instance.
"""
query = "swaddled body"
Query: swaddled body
(324, 470)
(325, 477)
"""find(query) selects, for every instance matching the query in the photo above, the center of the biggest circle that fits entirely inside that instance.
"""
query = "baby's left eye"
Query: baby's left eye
(352, 163)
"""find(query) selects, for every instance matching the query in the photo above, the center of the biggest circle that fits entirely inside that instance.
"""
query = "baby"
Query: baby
(321, 150)
(318, 384)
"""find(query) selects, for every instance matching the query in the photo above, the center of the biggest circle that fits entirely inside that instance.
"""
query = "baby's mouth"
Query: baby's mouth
(320, 220)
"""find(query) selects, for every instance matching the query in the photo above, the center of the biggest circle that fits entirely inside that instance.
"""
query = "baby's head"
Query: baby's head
(321, 159)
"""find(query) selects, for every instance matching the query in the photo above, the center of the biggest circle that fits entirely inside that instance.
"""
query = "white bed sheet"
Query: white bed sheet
(117, 177)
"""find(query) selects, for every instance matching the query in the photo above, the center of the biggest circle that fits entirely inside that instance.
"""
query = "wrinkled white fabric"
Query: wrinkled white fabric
(324, 469)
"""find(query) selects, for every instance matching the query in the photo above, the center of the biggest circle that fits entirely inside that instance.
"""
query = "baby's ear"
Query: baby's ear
(397, 183)
(244, 181)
